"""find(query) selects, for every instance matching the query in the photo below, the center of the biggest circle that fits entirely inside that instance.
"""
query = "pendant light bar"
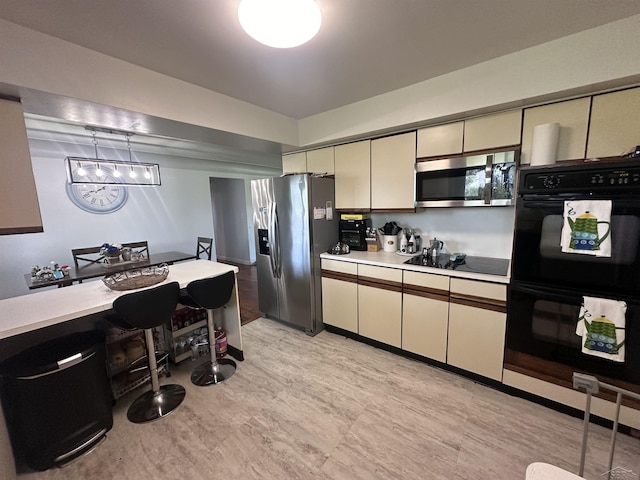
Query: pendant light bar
(93, 171)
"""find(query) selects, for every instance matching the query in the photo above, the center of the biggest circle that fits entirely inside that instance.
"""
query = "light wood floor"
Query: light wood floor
(332, 408)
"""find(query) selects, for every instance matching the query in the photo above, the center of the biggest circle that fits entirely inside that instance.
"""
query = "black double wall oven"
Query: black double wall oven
(548, 285)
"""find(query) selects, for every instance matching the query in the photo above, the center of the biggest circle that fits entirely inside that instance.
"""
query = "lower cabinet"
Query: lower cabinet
(340, 294)
(380, 304)
(477, 326)
(425, 314)
(451, 320)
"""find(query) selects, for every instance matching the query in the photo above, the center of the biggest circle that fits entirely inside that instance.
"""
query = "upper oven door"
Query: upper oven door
(537, 256)
(452, 182)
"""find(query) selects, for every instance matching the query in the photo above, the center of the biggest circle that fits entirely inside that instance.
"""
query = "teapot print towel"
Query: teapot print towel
(601, 324)
(586, 227)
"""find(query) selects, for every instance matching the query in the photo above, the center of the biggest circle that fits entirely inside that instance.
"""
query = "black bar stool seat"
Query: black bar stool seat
(211, 294)
(146, 310)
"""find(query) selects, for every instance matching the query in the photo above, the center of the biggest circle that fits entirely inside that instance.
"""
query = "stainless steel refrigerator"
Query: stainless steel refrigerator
(294, 223)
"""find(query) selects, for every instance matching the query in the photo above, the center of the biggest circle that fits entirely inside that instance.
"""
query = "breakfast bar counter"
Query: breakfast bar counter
(42, 309)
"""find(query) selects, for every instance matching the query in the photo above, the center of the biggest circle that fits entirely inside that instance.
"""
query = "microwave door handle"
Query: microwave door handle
(488, 180)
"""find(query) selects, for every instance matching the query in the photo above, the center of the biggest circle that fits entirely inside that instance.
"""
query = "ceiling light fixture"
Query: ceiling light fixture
(94, 171)
(280, 23)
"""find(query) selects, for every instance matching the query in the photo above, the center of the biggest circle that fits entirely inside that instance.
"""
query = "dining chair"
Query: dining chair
(86, 256)
(204, 246)
(139, 247)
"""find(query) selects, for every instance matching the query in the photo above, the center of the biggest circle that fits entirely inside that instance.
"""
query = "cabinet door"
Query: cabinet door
(615, 123)
(493, 131)
(477, 325)
(425, 314)
(19, 207)
(440, 140)
(476, 340)
(321, 161)
(392, 171)
(380, 304)
(573, 118)
(340, 294)
(353, 175)
(294, 163)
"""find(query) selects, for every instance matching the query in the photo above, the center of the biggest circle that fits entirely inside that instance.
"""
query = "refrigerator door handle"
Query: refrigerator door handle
(274, 251)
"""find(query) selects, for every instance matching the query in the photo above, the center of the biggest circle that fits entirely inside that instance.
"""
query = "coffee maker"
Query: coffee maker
(353, 230)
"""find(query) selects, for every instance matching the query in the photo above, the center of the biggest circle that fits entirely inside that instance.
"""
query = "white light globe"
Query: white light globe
(280, 23)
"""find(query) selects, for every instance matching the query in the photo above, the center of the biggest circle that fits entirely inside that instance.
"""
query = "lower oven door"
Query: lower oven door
(541, 324)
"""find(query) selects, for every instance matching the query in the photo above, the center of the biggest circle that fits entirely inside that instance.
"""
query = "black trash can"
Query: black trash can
(57, 399)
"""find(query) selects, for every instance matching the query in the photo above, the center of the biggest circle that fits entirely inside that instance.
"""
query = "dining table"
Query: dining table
(96, 270)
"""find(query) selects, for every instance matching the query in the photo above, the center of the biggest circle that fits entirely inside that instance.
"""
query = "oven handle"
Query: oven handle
(568, 295)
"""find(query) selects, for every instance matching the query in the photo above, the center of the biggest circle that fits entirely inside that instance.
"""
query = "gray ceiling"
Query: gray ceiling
(364, 47)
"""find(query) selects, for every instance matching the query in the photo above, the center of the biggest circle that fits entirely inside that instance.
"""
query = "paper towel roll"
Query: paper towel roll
(544, 147)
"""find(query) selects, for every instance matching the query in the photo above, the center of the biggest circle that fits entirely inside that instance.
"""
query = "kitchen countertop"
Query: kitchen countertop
(393, 260)
(50, 307)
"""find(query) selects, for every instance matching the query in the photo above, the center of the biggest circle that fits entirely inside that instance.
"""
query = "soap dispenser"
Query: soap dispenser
(403, 241)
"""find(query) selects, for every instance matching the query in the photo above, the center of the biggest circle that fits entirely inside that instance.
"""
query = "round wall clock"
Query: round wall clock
(98, 198)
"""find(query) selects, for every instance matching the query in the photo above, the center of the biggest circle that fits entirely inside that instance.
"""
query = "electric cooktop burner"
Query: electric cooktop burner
(485, 265)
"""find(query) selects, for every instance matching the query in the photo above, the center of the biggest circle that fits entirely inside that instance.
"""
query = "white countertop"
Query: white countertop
(50, 307)
(393, 260)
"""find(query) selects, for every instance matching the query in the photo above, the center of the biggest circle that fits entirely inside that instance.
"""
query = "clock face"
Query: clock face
(98, 198)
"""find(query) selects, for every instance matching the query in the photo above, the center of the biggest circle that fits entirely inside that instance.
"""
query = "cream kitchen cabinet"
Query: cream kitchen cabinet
(340, 294)
(477, 326)
(492, 131)
(294, 163)
(19, 207)
(392, 171)
(353, 175)
(380, 304)
(321, 161)
(615, 123)
(573, 118)
(425, 314)
(440, 140)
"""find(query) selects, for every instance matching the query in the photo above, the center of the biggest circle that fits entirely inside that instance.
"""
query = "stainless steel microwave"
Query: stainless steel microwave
(477, 180)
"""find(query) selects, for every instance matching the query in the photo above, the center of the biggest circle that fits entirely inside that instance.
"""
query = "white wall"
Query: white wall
(229, 204)
(169, 217)
(481, 231)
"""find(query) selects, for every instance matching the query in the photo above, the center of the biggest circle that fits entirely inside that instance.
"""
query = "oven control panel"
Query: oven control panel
(580, 178)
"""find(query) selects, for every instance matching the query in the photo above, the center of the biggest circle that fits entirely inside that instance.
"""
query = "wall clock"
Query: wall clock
(98, 198)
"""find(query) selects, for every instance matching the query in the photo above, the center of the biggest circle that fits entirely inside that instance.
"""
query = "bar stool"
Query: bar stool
(147, 309)
(211, 293)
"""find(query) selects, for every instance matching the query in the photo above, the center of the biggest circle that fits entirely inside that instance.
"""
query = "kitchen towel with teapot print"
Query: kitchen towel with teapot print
(586, 227)
(601, 324)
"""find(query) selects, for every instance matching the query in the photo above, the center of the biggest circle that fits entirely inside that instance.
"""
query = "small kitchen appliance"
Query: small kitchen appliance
(353, 230)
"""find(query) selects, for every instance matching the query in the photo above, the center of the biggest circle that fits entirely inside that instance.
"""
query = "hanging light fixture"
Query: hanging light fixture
(280, 23)
(104, 172)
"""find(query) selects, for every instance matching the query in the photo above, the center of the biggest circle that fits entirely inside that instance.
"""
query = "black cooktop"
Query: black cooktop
(484, 265)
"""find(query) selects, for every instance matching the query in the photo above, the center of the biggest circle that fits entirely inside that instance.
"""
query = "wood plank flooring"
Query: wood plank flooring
(327, 407)
(248, 292)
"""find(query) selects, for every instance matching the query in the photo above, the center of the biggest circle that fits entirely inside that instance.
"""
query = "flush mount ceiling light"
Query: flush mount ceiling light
(280, 23)
(94, 171)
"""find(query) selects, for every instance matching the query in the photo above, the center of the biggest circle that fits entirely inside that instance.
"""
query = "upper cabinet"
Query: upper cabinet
(481, 133)
(321, 161)
(392, 172)
(19, 208)
(492, 131)
(573, 118)
(294, 163)
(353, 175)
(440, 140)
(615, 123)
